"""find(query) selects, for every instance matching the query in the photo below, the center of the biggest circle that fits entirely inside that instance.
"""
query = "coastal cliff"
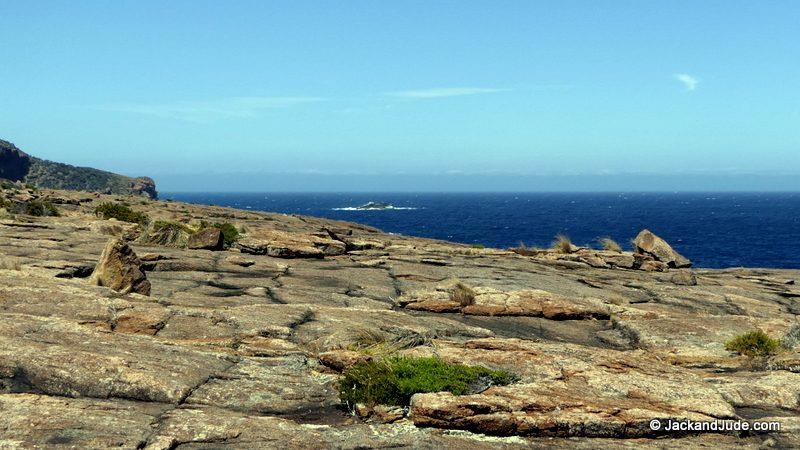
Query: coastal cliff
(137, 323)
(16, 165)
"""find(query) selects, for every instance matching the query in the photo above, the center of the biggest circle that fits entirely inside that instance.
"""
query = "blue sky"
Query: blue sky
(194, 93)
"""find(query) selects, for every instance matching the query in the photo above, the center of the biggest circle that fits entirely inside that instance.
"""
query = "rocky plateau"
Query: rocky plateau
(199, 346)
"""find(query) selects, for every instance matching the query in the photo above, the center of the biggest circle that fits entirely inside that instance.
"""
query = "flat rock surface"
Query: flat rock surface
(243, 348)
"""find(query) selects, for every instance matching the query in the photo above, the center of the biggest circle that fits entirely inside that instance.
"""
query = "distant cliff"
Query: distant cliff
(17, 165)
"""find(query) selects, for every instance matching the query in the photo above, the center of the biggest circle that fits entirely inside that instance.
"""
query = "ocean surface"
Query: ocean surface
(714, 230)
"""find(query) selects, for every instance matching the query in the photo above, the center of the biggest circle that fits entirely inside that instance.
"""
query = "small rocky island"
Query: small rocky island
(135, 323)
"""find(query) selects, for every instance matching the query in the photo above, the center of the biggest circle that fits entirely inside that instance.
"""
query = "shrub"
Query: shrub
(462, 294)
(609, 244)
(478, 246)
(392, 381)
(562, 244)
(121, 212)
(36, 208)
(229, 232)
(754, 343)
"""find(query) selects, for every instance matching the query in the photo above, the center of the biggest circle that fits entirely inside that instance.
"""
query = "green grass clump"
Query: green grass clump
(36, 208)
(754, 343)
(478, 246)
(121, 212)
(229, 232)
(392, 381)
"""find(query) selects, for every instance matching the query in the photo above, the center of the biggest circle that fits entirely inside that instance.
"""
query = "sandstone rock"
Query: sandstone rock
(239, 261)
(120, 269)
(648, 243)
(206, 239)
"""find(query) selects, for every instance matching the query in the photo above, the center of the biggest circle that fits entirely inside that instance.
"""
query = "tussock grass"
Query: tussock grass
(524, 250)
(609, 244)
(562, 244)
(392, 381)
(167, 233)
(7, 263)
(462, 294)
(754, 343)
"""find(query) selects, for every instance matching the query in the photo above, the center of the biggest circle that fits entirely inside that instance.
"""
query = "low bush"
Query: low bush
(36, 208)
(478, 246)
(754, 343)
(121, 212)
(609, 244)
(392, 381)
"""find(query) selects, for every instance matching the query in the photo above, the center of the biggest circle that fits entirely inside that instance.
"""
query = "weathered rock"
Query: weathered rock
(225, 339)
(684, 278)
(206, 239)
(648, 243)
(120, 269)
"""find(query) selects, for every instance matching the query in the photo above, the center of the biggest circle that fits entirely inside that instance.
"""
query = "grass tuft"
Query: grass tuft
(462, 294)
(754, 343)
(392, 381)
(121, 212)
(562, 244)
(611, 245)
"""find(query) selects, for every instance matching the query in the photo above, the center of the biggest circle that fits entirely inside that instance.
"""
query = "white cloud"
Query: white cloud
(444, 92)
(230, 108)
(688, 81)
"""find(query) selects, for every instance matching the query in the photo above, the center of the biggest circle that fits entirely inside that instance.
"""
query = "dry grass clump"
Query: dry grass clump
(378, 343)
(562, 244)
(611, 245)
(462, 294)
(9, 264)
(524, 250)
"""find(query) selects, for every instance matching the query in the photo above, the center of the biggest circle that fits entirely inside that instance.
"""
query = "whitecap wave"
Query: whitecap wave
(387, 208)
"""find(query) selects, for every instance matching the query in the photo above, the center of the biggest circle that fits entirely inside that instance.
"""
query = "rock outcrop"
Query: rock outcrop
(648, 243)
(242, 350)
(206, 239)
(16, 165)
(120, 269)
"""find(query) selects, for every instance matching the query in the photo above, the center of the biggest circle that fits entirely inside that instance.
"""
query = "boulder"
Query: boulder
(206, 239)
(120, 269)
(648, 243)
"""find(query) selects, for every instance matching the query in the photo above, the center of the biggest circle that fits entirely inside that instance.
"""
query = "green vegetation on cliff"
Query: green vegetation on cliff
(17, 165)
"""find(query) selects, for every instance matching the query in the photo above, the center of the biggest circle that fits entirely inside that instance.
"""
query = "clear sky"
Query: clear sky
(205, 95)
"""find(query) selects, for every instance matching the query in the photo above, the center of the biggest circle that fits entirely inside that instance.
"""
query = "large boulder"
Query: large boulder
(120, 269)
(650, 244)
(206, 239)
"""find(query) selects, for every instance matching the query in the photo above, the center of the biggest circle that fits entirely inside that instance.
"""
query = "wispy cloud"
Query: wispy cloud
(444, 92)
(688, 81)
(229, 108)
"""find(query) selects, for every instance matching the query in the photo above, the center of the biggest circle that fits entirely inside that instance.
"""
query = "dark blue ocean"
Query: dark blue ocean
(714, 230)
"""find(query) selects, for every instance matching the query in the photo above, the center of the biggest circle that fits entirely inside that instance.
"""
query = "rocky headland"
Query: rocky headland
(16, 165)
(135, 323)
